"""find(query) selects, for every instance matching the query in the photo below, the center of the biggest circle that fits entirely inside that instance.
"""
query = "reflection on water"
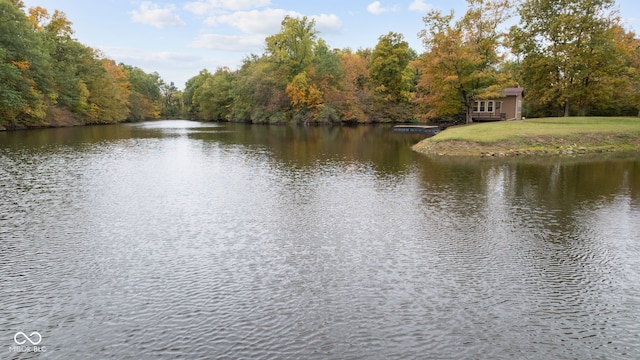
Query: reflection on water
(179, 239)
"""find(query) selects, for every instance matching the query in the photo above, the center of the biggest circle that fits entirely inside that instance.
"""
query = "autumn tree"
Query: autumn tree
(571, 51)
(259, 91)
(24, 69)
(459, 65)
(144, 98)
(627, 86)
(311, 68)
(326, 76)
(304, 95)
(356, 98)
(56, 25)
(48, 78)
(108, 92)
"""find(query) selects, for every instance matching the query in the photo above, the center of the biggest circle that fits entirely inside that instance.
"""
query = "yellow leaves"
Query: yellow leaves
(59, 24)
(37, 108)
(380, 88)
(121, 78)
(451, 78)
(22, 65)
(38, 16)
(149, 109)
(56, 24)
(304, 95)
(94, 111)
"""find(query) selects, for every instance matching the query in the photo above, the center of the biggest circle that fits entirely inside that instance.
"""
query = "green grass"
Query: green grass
(539, 135)
(487, 133)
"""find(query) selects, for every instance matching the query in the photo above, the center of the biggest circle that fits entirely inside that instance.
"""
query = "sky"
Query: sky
(177, 39)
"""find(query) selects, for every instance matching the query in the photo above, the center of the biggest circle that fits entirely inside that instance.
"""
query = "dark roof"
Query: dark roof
(513, 91)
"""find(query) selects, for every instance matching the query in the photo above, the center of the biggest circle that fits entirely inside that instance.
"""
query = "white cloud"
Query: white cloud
(376, 8)
(255, 21)
(198, 8)
(268, 21)
(172, 66)
(327, 23)
(257, 25)
(252, 19)
(213, 6)
(246, 43)
(420, 5)
(137, 56)
(152, 14)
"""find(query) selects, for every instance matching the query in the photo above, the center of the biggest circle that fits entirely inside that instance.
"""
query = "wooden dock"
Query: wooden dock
(423, 129)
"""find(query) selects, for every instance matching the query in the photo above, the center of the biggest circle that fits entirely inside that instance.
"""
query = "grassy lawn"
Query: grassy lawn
(545, 135)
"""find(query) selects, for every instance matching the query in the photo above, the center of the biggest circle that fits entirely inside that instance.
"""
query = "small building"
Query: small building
(507, 107)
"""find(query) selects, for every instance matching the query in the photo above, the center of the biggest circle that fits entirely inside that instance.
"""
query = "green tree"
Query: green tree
(214, 97)
(327, 77)
(389, 68)
(459, 65)
(293, 46)
(70, 60)
(309, 69)
(171, 100)
(259, 91)
(108, 97)
(144, 100)
(326, 64)
(49, 78)
(569, 53)
(191, 107)
(24, 69)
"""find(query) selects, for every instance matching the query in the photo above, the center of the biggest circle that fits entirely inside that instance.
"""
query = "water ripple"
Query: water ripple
(174, 247)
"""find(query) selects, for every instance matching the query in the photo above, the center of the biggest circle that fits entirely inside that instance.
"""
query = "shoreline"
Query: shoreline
(466, 148)
(538, 137)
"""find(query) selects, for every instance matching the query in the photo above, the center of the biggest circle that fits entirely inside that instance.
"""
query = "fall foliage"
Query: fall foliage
(45, 72)
(573, 57)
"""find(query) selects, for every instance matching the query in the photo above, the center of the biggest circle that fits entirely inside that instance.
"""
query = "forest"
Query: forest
(573, 57)
(47, 78)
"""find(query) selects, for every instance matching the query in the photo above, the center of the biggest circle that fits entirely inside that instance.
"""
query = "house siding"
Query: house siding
(511, 107)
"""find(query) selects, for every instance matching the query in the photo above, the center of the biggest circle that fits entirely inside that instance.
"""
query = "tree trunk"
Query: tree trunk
(566, 108)
(583, 110)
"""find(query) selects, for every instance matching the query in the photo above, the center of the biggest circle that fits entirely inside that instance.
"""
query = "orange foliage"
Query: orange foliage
(304, 95)
(22, 65)
(121, 78)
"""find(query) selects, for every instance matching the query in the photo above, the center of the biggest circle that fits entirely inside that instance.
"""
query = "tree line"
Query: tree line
(47, 78)
(573, 57)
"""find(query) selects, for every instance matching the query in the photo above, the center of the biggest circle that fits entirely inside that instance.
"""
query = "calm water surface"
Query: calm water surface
(178, 239)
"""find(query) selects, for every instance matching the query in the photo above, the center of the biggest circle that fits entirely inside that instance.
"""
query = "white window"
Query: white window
(484, 106)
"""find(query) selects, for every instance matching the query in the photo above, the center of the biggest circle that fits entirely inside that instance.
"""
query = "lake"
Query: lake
(177, 239)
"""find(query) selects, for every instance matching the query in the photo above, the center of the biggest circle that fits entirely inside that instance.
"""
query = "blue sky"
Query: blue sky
(179, 38)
